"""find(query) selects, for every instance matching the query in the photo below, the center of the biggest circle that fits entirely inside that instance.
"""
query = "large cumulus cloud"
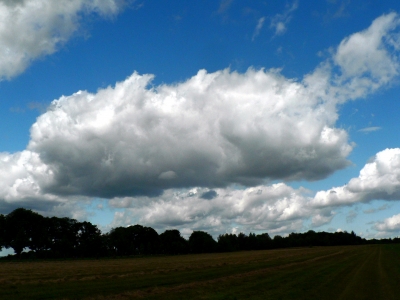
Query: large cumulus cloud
(213, 130)
(33, 28)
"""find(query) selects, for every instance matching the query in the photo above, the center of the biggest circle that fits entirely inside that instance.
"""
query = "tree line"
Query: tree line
(32, 235)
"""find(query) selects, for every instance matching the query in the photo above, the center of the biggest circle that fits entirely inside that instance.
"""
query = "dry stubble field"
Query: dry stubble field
(350, 272)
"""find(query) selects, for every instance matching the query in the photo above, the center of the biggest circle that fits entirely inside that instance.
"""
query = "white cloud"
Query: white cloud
(22, 176)
(391, 224)
(280, 21)
(258, 28)
(212, 130)
(322, 217)
(277, 208)
(370, 129)
(30, 29)
(369, 59)
(378, 180)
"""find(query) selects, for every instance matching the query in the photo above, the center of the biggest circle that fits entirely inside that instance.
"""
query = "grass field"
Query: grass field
(351, 272)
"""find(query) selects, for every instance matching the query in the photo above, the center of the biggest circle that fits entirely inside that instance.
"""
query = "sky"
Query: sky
(222, 116)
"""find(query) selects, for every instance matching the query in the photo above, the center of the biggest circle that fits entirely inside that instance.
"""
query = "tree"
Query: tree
(132, 240)
(252, 242)
(88, 240)
(311, 238)
(279, 241)
(24, 229)
(62, 234)
(2, 231)
(202, 242)
(242, 241)
(264, 241)
(119, 241)
(173, 243)
(148, 240)
(228, 242)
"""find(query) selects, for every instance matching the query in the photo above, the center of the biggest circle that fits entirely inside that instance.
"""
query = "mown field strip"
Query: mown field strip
(351, 272)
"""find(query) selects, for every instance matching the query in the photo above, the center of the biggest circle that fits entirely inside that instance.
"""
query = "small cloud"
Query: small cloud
(248, 11)
(351, 216)
(167, 175)
(322, 218)
(373, 210)
(177, 18)
(370, 129)
(17, 110)
(355, 110)
(280, 28)
(40, 107)
(388, 225)
(280, 21)
(258, 28)
(342, 11)
(224, 6)
(336, 9)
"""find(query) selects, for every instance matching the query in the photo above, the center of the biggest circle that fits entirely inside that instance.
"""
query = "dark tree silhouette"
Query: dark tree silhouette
(88, 240)
(149, 242)
(264, 241)
(279, 242)
(132, 240)
(63, 236)
(24, 229)
(202, 242)
(173, 243)
(2, 230)
(252, 242)
(243, 241)
(228, 242)
(119, 241)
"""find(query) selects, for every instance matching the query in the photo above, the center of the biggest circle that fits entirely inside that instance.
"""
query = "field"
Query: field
(350, 272)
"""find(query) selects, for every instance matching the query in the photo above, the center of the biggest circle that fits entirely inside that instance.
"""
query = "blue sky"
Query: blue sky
(223, 116)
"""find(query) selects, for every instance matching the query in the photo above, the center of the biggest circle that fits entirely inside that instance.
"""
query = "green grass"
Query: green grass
(352, 272)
